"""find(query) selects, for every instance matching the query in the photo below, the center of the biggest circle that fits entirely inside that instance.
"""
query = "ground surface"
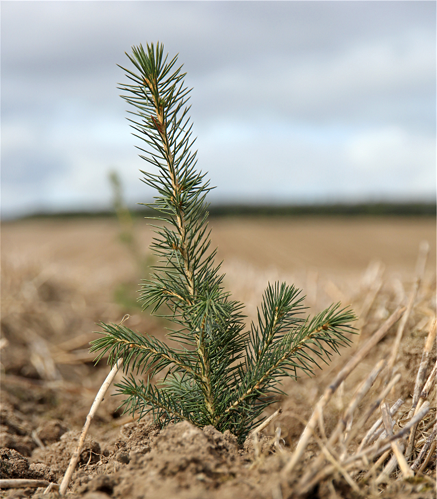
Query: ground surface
(59, 278)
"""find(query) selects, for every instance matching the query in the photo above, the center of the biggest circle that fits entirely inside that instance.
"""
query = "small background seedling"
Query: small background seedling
(126, 292)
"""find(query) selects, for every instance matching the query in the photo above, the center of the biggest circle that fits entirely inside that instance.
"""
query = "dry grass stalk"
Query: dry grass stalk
(377, 464)
(420, 380)
(407, 472)
(429, 383)
(330, 454)
(41, 357)
(355, 461)
(374, 433)
(381, 433)
(277, 443)
(420, 270)
(421, 402)
(22, 483)
(37, 440)
(76, 342)
(78, 357)
(99, 397)
(389, 468)
(431, 440)
(341, 376)
(372, 408)
(52, 487)
(421, 373)
(277, 492)
(428, 457)
(319, 462)
(380, 446)
(375, 271)
(267, 422)
(257, 450)
(322, 425)
(359, 395)
(337, 465)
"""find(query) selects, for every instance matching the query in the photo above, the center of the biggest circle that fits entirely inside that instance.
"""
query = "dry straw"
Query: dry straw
(407, 448)
(97, 401)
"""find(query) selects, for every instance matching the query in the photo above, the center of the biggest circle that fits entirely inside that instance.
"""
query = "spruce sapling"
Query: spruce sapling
(220, 374)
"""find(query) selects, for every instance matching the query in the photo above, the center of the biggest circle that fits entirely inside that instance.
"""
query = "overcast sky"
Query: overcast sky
(292, 102)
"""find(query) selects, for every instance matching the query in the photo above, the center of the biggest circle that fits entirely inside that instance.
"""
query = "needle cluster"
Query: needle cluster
(220, 374)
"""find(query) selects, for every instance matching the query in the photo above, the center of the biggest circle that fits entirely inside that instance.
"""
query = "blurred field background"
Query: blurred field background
(83, 265)
(88, 251)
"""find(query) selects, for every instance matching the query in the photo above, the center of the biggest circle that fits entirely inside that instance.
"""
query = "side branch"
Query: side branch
(179, 297)
(150, 399)
(131, 345)
(112, 343)
(289, 353)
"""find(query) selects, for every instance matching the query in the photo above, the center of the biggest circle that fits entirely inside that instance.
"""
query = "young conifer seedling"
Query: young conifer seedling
(219, 375)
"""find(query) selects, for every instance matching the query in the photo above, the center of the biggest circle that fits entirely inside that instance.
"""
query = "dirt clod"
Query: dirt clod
(102, 483)
(57, 455)
(13, 464)
(51, 431)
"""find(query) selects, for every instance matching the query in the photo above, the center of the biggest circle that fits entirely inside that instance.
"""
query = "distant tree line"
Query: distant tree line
(415, 209)
(338, 209)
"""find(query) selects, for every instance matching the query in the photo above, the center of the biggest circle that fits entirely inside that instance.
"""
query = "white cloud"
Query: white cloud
(400, 161)
(291, 101)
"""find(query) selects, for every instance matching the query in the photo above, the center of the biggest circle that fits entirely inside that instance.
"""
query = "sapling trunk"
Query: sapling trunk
(221, 374)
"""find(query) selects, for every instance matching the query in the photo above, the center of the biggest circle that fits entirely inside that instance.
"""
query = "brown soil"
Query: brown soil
(58, 281)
